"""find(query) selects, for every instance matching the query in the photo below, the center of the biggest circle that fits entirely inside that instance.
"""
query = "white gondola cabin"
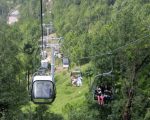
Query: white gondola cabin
(44, 54)
(65, 62)
(43, 89)
(44, 63)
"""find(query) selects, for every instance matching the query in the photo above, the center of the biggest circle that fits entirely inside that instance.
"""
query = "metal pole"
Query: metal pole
(47, 34)
(51, 27)
(52, 64)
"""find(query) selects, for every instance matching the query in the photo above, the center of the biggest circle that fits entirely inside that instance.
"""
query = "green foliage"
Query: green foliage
(15, 64)
(90, 28)
(95, 28)
(11, 77)
(4, 9)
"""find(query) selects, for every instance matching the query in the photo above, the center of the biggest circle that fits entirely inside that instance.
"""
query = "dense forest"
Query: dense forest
(17, 60)
(107, 35)
(91, 30)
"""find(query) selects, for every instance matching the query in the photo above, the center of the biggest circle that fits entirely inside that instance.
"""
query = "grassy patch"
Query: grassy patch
(68, 94)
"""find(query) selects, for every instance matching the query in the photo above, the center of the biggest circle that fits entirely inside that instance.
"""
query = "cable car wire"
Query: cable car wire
(128, 44)
(41, 16)
(117, 49)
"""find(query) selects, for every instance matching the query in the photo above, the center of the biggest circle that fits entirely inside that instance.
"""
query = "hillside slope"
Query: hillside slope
(68, 94)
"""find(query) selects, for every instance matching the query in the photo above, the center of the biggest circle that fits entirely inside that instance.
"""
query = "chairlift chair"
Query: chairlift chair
(28, 48)
(74, 74)
(43, 89)
(104, 80)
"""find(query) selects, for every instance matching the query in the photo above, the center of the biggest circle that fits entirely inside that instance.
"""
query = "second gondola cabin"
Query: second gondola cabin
(43, 89)
(44, 54)
(44, 63)
(65, 62)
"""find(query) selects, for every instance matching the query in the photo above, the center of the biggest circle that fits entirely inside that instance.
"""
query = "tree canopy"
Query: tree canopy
(108, 35)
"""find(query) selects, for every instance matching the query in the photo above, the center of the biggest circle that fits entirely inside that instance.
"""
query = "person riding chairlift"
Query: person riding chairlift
(79, 81)
(107, 93)
(73, 80)
(100, 96)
